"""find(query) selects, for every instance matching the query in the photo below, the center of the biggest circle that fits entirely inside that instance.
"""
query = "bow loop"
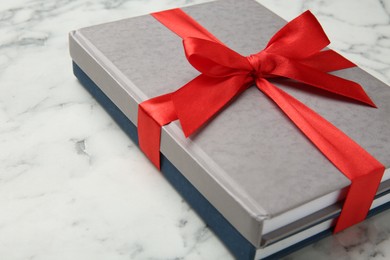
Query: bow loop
(214, 59)
(299, 39)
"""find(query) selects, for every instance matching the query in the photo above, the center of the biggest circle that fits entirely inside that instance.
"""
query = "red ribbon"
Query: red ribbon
(294, 52)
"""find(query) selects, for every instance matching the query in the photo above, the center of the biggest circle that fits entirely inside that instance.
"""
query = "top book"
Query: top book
(250, 162)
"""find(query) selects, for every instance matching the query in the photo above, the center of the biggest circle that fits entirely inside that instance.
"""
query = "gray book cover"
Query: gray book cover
(250, 161)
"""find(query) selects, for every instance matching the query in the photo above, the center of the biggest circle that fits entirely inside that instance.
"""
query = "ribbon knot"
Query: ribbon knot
(294, 52)
(262, 67)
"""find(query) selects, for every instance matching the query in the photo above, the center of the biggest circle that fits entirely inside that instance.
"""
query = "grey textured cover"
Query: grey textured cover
(251, 162)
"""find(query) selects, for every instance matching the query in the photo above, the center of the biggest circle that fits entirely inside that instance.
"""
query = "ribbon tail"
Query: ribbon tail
(319, 79)
(364, 171)
(327, 61)
(203, 97)
(152, 115)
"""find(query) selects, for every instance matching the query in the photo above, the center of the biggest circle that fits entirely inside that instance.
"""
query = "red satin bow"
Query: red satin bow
(293, 52)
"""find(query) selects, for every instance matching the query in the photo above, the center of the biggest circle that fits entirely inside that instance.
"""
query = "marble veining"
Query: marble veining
(73, 186)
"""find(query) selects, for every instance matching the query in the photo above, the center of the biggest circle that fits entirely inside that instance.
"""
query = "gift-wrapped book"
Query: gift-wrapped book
(250, 173)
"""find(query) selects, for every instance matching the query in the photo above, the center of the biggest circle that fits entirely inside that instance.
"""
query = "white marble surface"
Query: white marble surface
(73, 186)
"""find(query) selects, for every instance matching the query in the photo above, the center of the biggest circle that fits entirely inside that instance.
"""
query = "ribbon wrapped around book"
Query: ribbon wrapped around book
(294, 52)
